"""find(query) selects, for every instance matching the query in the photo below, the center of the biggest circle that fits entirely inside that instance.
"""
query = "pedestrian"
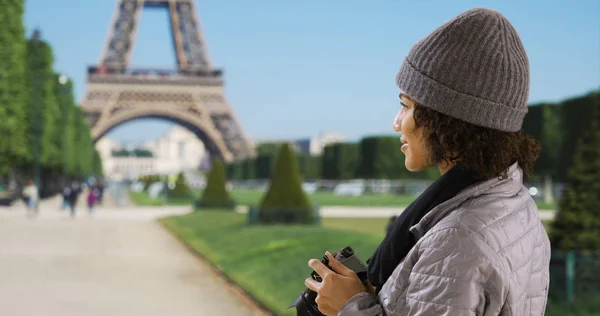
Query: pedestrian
(65, 195)
(74, 196)
(91, 198)
(31, 197)
(472, 243)
(100, 188)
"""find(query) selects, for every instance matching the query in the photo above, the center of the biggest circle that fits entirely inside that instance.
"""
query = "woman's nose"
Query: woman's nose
(397, 124)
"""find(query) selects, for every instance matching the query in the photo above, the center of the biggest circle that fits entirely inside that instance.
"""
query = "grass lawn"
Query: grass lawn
(250, 197)
(370, 226)
(142, 198)
(270, 262)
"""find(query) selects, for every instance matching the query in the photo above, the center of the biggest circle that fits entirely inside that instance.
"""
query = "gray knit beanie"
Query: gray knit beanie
(473, 68)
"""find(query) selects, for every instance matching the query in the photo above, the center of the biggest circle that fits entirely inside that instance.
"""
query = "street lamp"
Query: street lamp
(38, 77)
(63, 80)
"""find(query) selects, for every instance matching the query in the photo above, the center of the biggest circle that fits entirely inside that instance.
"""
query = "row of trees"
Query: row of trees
(559, 126)
(556, 125)
(39, 120)
(576, 225)
(372, 158)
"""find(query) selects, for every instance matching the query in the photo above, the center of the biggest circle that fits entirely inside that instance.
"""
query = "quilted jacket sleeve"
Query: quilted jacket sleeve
(453, 275)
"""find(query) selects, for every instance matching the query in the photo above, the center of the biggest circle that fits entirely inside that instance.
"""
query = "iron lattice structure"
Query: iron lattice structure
(191, 95)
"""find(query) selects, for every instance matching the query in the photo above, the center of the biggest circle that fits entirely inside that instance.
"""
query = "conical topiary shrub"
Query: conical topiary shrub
(181, 189)
(577, 223)
(215, 194)
(285, 201)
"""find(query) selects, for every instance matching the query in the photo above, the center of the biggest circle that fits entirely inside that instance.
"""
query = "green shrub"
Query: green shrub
(215, 193)
(181, 189)
(285, 201)
(577, 223)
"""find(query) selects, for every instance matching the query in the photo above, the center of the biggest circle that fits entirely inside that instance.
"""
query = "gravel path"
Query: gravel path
(116, 262)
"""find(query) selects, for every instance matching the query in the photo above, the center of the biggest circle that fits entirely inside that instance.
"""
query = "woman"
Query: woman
(31, 195)
(472, 243)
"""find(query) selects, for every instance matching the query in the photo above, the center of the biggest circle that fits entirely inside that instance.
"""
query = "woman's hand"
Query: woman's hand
(337, 288)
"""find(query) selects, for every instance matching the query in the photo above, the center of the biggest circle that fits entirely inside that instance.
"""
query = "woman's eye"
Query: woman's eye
(402, 105)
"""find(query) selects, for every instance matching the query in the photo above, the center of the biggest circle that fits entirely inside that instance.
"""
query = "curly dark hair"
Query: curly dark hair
(486, 152)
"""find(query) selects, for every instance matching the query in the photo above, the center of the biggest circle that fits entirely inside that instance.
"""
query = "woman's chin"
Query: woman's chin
(413, 167)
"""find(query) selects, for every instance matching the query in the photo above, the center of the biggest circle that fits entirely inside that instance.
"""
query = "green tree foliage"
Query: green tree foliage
(248, 169)
(263, 164)
(543, 122)
(215, 194)
(576, 119)
(268, 149)
(85, 145)
(558, 126)
(98, 170)
(43, 112)
(577, 224)
(142, 153)
(181, 189)
(381, 158)
(12, 85)
(147, 180)
(35, 106)
(340, 161)
(73, 117)
(285, 200)
(64, 98)
(309, 166)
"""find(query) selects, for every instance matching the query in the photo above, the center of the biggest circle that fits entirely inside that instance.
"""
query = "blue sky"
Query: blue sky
(296, 68)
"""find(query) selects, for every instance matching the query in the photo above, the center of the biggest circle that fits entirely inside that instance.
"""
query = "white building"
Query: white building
(178, 150)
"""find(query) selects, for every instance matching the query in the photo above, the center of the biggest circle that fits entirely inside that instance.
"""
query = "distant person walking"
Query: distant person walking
(73, 197)
(100, 189)
(65, 195)
(31, 197)
(92, 198)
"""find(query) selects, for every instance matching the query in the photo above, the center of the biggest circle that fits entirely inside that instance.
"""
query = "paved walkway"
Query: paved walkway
(116, 262)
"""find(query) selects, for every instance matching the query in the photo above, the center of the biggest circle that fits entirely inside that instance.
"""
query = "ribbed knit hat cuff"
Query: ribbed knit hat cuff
(471, 109)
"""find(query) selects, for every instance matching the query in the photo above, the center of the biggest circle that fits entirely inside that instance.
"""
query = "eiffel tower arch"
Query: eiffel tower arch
(191, 95)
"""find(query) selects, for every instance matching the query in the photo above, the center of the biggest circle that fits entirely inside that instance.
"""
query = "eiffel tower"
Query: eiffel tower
(192, 95)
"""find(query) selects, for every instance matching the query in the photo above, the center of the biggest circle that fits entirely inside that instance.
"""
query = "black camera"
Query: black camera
(305, 303)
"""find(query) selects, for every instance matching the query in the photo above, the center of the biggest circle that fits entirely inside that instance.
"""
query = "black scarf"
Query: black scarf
(399, 240)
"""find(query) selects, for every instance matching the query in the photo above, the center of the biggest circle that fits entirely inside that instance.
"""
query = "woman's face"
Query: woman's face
(413, 144)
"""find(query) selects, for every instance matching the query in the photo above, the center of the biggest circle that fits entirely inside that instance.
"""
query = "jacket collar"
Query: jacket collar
(511, 185)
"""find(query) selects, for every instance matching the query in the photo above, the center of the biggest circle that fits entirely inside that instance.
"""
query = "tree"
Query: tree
(181, 189)
(285, 200)
(577, 223)
(73, 118)
(340, 161)
(43, 112)
(309, 166)
(576, 119)
(12, 86)
(98, 169)
(215, 193)
(63, 92)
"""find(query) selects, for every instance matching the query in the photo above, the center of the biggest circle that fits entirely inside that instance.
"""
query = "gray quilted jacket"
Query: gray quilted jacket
(483, 252)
